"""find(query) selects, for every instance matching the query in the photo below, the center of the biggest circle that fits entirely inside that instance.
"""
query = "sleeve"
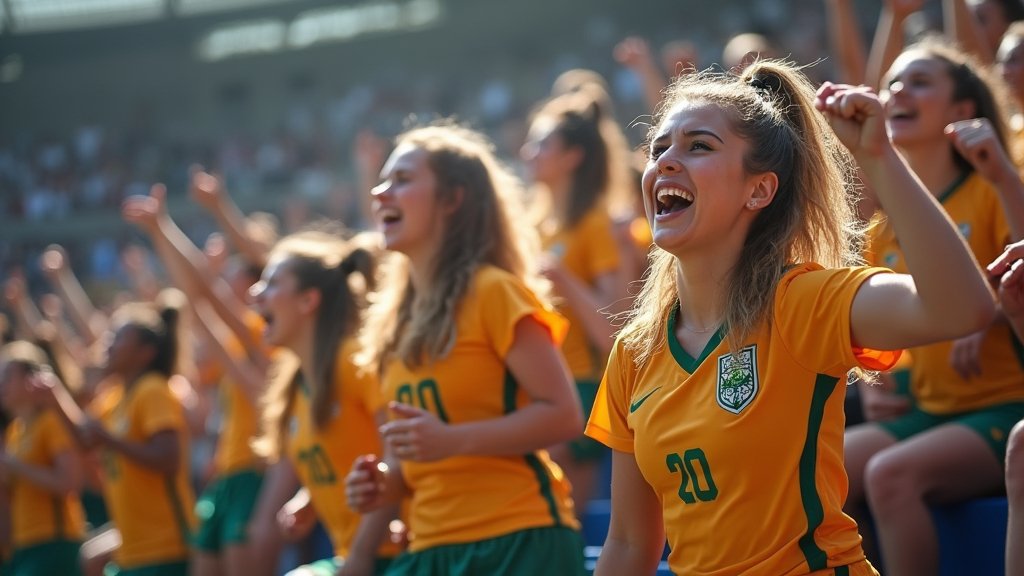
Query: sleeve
(812, 315)
(607, 423)
(602, 248)
(504, 301)
(156, 410)
(355, 382)
(57, 437)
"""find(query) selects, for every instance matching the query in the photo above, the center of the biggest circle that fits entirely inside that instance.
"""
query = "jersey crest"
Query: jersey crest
(737, 379)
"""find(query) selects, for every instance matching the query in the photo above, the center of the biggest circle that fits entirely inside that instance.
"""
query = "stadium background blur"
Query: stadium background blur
(101, 98)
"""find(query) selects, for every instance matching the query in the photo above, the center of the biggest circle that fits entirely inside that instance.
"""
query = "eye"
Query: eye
(700, 145)
(656, 151)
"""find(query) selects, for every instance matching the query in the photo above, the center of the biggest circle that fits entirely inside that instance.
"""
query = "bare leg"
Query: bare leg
(1015, 496)
(860, 444)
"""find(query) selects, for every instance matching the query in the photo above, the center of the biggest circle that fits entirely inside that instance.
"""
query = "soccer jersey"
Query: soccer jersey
(588, 250)
(974, 207)
(240, 418)
(470, 498)
(38, 515)
(152, 511)
(322, 457)
(745, 451)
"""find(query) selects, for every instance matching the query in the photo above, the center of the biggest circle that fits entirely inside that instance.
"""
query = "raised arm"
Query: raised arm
(54, 264)
(251, 379)
(888, 41)
(977, 142)
(208, 191)
(184, 262)
(26, 315)
(944, 296)
(962, 27)
(847, 44)
(634, 53)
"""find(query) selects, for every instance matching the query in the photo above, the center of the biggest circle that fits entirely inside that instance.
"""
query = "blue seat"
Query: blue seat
(594, 522)
(972, 537)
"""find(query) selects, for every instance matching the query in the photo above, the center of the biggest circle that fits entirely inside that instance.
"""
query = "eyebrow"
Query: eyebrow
(690, 134)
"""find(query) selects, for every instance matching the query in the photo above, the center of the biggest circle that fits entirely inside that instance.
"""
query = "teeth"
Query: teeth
(664, 193)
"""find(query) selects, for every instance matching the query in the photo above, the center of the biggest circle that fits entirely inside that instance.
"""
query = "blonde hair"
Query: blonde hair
(343, 272)
(486, 227)
(812, 217)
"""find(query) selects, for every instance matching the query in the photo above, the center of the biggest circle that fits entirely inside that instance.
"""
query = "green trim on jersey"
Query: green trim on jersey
(682, 357)
(58, 517)
(816, 558)
(948, 192)
(178, 510)
(509, 390)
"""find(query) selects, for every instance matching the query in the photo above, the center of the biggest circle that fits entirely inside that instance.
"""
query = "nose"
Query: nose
(896, 87)
(256, 291)
(668, 164)
(380, 189)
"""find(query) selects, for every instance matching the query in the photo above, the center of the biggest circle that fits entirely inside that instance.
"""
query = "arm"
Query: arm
(64, 478)
(55, 265)
(553, 414)
(590, 304)
(847, 44)
(635, 54)
(251, 379)
(184, 264)
(944, 296)
(209, 192)
(279, 485)
(26, 315)
(964, 28)
(888, 41)
(636, 536)
(1008, 271)
(976, 141)
(160, 452)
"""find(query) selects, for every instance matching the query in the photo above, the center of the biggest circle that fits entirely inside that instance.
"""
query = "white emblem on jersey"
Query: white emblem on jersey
(737, 379)
(965, 230)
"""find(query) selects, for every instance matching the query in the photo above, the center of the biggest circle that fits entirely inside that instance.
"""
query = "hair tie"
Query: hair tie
(766, 84)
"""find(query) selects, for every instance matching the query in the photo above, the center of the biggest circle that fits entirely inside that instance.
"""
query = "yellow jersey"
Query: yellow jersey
(322, 457)
(240, 418)
(152, 511)
(471, 498)
(974, 206)
(745, 450)
(38, 515)
(588, 250)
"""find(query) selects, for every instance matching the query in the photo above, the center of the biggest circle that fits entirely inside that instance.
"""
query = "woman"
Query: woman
(730, 375)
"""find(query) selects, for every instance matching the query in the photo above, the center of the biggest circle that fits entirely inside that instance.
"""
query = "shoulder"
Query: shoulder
(152, 385)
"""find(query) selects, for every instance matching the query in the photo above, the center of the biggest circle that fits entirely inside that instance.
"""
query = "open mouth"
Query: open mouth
(389, 215)
(902, 115)
(671, 200)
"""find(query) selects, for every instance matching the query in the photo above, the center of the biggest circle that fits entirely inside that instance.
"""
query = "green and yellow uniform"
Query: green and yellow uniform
(477, 500)
(152, 511)
(322, 457)
(588, 251)
(745, 451)
(992, 401)
(225, 506)
(46, 529)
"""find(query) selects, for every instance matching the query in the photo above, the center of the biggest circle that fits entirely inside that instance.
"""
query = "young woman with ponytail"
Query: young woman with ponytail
(723, 397)
(321, 410)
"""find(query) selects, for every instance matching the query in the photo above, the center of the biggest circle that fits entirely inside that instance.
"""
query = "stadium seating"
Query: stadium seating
(972, 537)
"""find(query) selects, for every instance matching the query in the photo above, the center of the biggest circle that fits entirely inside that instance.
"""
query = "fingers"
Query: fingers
(1010, 255)
(364, 484)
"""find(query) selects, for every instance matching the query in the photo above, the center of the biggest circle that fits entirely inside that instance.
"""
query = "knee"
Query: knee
(1015, 463)
(889, 480)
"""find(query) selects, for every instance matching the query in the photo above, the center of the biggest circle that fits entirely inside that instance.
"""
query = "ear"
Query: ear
(573, 157)
(762, 190)
(310, 301)
(458, 195)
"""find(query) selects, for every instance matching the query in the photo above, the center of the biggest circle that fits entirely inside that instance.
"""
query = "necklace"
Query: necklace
(695, 331)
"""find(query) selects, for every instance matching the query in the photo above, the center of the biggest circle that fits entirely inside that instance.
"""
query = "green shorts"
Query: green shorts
(330, 566)
(179, 568)
(993, 424)
(95, 509)
(54, 557)
(224, 510)
(530, 552)
(584, 448)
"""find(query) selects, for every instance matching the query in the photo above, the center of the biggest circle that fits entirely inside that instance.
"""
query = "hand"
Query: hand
(370, 151)
(216, 251)
(418, 435)
(633, 52)
(296, 519)
(900, 9)
(43, 387)
(92, 433)
(855, 114)
(146, 211)
(552, 269)
(880, 402)
(365, 483)
(977, 142)
(678, 56)
(206, 189)
(1008, 272)
(965, 356)
(53, 261)
(14, 289)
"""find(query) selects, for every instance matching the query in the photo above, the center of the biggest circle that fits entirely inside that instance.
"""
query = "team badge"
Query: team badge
(737, 379)
(965, 230)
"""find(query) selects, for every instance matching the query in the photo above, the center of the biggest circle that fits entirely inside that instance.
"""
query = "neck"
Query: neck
(701, 286)
(561, 195)
(130, 377)
(934, 164)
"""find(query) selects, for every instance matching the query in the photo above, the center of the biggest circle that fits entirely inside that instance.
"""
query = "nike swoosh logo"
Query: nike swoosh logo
(636, 405)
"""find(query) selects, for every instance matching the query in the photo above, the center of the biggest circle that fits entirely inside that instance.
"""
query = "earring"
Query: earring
(751, 204)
